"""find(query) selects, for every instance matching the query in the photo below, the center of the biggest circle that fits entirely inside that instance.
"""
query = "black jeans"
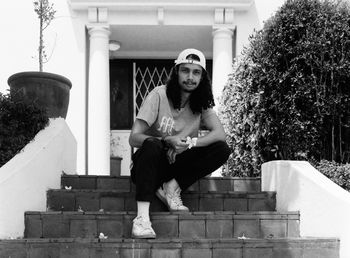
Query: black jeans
(151, 167)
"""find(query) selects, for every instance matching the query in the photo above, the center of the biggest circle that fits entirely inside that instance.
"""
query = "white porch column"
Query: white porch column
(222, 59)
(99, 107)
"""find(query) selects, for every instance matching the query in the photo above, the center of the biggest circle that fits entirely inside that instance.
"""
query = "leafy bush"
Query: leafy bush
(19, 123)
(289, 95)
(338, 173)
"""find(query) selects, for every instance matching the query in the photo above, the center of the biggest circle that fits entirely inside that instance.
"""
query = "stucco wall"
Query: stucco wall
(25, 179)
(324, 206)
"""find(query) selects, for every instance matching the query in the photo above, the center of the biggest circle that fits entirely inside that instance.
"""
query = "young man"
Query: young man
(171, 156)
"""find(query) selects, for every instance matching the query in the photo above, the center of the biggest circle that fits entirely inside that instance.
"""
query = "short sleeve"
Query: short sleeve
(149, 108)
(207, 113)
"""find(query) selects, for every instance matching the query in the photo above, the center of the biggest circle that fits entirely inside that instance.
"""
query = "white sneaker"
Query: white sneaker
(172, 200)
(142, 228)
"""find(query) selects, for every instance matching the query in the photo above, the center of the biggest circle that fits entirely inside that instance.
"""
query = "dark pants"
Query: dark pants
(151, 167)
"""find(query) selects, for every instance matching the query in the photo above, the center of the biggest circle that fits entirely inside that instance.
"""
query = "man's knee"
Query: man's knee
(152, 145)
(223, 149)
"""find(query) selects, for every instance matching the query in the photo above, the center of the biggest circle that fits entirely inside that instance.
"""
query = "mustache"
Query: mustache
(189, 82)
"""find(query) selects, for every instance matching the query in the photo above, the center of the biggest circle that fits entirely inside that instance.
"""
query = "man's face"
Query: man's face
(189, 76)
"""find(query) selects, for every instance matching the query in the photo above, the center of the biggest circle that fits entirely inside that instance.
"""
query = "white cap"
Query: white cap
(182, 58)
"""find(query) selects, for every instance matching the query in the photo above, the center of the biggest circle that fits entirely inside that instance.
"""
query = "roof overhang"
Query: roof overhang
(239, 5)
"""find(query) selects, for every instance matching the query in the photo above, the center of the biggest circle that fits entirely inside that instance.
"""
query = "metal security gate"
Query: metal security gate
(147, 76)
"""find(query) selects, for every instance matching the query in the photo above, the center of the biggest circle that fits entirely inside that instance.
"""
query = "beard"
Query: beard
(192, 86)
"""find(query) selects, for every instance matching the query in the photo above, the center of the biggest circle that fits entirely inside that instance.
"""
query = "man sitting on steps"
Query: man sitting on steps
(171, 157)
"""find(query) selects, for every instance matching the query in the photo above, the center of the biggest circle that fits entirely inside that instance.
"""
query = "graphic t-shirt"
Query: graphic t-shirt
(164, 120)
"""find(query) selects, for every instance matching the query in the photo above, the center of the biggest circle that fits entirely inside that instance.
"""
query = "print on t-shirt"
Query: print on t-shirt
(166, 125)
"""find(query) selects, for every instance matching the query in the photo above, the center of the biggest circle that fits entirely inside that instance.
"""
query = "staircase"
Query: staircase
(229, 217)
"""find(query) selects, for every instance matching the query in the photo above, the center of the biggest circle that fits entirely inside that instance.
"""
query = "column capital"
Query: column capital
(101, 28)
(223, 31)
(224, 27)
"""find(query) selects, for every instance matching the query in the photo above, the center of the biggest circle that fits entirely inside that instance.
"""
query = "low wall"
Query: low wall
(25, 179)
(324, 206)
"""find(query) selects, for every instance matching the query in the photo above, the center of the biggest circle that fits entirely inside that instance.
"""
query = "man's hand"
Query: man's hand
(176, 143)
(171, 155)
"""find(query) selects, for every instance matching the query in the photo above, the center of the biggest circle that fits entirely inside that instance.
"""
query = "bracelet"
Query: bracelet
(194, 141)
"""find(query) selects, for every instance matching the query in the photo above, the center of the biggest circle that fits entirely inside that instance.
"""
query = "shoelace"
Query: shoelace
(176, 198)
(147, 225)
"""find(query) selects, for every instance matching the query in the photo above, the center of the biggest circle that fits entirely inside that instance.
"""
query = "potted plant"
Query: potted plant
(48, 90)
(115, 159)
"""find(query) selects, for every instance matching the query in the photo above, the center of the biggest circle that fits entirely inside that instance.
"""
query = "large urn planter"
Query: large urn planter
(48, 90)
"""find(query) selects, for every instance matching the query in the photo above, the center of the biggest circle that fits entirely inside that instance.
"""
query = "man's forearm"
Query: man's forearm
(137, 139)
(211, 137)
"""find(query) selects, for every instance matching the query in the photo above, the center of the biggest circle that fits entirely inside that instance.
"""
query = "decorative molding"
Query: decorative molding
(219, 16)
(102, 14)
(230, 27)
(98, 30)
(97, 14)
(229, 16)
(92, 14)
(160, 16)
(241, 5)
(222, 32)
(224, 16)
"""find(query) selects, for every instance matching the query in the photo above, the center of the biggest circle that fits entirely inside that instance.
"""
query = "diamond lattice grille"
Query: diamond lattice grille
(146, 79)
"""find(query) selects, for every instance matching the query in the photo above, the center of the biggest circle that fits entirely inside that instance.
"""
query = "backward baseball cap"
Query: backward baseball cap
(183, 57)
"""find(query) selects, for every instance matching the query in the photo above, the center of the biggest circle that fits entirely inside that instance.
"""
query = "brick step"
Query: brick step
(166, 224)
(124, 184)
(174, 248)
(114, 200)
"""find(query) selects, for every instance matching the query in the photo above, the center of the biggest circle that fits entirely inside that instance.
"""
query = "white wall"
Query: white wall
(25, 179)
(65, 39)
(254, 19)
(324, 206)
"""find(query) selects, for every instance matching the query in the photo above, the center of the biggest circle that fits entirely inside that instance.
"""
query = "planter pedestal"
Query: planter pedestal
(115, 166)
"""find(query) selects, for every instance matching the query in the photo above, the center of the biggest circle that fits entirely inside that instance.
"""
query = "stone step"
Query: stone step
(166, 224)
(124, 184)
(114, 200)
(174, 248)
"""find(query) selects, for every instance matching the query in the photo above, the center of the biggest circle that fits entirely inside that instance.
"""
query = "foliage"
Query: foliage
(289, 95)
(19, 123)
(338, 173)
(46, 14)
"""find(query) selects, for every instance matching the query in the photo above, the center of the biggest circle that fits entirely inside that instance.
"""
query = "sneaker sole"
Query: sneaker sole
(143, 236)
(166, 203)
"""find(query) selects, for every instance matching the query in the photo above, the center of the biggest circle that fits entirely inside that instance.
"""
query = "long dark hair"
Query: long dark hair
(201, 98)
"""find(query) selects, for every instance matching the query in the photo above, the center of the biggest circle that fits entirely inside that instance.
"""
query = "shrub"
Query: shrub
(338, 173)
(19, 123)
(289, 95)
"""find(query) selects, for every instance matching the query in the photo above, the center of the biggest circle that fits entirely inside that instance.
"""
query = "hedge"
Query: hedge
(289, 94)
(19, 123)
